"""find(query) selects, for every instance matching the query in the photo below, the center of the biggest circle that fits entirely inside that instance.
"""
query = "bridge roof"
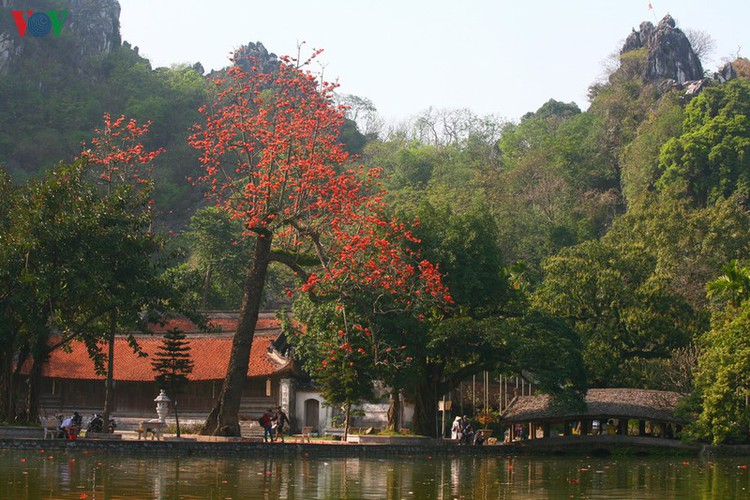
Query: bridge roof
(600, 403)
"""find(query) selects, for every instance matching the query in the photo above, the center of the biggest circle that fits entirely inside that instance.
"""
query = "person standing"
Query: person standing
(266, 422)
(456, 429)
(282, 420)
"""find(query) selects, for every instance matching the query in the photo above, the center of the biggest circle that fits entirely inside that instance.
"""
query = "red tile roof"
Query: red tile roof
(222, 322)
(210, 353)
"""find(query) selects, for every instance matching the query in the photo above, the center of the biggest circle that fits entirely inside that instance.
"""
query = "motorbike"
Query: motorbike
(97, 424)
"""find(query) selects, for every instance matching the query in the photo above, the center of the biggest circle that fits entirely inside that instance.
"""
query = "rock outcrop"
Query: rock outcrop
(96, 25)
(91, 28)
(256, 54)
(10, 50)
(670, 55)
(725, 73)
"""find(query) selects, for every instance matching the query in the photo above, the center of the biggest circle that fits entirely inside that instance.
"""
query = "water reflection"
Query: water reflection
(27, 474)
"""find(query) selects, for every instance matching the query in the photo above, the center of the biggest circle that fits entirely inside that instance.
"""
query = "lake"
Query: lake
(96, 475)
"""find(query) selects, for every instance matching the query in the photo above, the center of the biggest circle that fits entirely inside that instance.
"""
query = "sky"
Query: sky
(495, 57)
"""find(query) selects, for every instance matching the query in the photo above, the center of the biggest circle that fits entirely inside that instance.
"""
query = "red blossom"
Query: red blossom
(116, 154)
(272, 157)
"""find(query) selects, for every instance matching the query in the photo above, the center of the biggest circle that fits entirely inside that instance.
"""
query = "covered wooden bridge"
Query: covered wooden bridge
(623, 412)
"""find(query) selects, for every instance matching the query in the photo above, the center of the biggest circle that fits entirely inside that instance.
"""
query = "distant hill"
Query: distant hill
(55, 89)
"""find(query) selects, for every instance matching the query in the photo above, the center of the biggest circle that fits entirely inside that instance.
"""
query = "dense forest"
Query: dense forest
(617, 238)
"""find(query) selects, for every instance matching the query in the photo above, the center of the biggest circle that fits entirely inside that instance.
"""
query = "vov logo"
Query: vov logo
(39, 24)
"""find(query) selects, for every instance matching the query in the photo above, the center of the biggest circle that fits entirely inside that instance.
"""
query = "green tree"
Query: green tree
(340, 361)
(621, 309)
(173, 364)
(690, 245)
(640, 158)
(556, 185)
(10, 325)
(733, 286)
(484, 330)
(712, 155)
(722, 390)
(219, 252)
(57, 223)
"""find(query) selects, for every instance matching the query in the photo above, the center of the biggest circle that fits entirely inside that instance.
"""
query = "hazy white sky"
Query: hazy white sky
(502, 57)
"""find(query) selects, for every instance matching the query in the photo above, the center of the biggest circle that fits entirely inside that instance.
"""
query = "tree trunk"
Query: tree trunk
(394, 411)
(32, 396)
(7, 389)
(176, 417)
(347, 416)
(109, 387)
(425, 405)
(224, 417)
(206, 286)
(39, 354)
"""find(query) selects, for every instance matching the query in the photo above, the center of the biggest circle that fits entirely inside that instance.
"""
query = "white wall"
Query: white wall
(324, 414)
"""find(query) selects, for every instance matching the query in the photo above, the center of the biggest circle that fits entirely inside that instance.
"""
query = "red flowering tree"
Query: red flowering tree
(272, 158)
(116, 154)
(364, 311)
(117, 160)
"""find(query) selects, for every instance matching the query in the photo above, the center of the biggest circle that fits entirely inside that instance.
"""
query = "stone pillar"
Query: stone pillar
(585, 427)
(547, 429)
(641, 427)
(287, 399)
(566, 428)
(622, 427)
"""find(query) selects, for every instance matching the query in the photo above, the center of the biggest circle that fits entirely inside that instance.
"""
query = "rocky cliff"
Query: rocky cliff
(91, 28)
(670, 55)
(256, 54)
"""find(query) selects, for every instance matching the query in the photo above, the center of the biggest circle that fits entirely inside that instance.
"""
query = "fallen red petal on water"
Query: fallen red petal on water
(685, 463)
(23, 460)
(83, 495)
(583, 470)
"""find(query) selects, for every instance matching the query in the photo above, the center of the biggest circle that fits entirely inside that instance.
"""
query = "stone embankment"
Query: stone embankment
(29, 438)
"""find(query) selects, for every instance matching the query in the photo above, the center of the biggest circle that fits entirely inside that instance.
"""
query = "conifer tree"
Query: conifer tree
(173, 364)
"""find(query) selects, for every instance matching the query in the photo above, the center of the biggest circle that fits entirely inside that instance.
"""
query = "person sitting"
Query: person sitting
(479, 438)
(611, 427)
(71, 426)
(520, 432)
